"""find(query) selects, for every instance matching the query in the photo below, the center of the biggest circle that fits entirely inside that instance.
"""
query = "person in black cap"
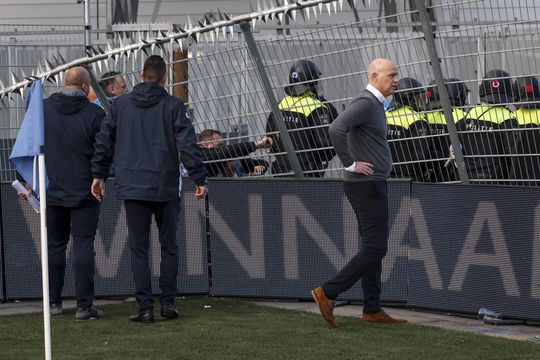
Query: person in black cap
(438, 128)
(307, 116)
(526, 167)
(485, 134)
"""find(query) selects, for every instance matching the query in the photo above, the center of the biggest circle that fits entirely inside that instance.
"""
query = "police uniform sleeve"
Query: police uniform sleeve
(512, 135)
(421, 145)
(272, 130)
(321, 119)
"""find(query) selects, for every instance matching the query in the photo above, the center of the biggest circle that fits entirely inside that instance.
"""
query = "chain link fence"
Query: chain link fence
(226, 90)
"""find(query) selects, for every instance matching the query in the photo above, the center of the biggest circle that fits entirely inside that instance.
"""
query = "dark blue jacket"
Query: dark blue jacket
(71, 125)
(146, 135)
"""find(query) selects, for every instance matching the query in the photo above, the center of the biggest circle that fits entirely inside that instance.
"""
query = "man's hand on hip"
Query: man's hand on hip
(363, 168)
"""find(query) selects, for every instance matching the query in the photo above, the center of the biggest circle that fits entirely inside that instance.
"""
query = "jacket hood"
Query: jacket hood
(147, 94)
(66, 104)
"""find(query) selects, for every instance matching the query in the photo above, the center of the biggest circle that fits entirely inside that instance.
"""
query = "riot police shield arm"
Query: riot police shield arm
(331, 108)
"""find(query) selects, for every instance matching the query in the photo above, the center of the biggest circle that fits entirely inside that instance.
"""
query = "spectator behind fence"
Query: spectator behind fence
(211, 142)
(307, 116)
(526, 166)
(485, 133)
(359, 137)
(148, 132)
(71, 125)
(112, 84)
(408, 132)
(443, 170)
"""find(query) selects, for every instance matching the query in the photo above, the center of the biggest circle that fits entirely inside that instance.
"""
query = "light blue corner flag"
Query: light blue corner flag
(31, 138)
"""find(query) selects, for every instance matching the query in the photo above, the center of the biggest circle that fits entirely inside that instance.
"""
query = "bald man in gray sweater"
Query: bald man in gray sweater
(359, 138)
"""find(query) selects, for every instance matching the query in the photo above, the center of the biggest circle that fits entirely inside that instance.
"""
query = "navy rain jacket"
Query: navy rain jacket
(146, 135)
(71, 125)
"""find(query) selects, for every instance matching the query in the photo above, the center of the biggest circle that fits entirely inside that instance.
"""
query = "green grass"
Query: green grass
(233, 329)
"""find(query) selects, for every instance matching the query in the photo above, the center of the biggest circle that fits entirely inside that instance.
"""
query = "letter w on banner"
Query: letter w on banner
(31, 138)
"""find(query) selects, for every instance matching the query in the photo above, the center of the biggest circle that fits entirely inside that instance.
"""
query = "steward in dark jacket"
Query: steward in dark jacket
(71, 124)
(148, 133)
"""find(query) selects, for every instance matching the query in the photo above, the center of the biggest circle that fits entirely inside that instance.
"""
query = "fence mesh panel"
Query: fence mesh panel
(220, 83)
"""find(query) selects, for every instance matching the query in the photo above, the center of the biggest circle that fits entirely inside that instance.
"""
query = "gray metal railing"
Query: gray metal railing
(222, 85)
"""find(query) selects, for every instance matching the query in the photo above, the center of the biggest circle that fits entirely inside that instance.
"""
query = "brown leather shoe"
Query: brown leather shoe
(326, 306)
(381, 317)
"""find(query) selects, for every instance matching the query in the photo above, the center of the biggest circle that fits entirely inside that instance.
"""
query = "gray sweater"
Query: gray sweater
(359, 134)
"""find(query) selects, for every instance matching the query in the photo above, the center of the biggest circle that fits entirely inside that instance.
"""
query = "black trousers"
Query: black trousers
(82, 223)
(369, 200)
(139, 217)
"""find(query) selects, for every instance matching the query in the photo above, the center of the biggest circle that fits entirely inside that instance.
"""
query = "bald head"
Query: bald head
(79, 78)
(383, 75)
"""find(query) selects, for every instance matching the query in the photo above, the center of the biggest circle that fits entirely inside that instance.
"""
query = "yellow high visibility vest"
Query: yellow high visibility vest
(403, 116)
(437, 118)
(303, 105)
(528, 116)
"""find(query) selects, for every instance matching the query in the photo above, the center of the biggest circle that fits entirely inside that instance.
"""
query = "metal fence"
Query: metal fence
(226, 88)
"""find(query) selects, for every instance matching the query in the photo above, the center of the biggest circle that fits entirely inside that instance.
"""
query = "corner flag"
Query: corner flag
(31, 138)
(28, 158)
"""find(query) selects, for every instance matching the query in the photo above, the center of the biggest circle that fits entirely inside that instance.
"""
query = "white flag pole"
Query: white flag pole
(44, 256)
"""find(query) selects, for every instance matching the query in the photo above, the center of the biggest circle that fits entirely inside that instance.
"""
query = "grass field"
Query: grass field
(214, 328)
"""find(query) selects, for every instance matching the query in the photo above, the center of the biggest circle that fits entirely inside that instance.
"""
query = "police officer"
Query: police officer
(526, 167)
(408, 131)
(484, 133)
(307, 116)
(457, 94)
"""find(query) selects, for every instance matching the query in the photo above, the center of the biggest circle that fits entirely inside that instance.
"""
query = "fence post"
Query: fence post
(269, 92)
(441, 87)
(94, 83)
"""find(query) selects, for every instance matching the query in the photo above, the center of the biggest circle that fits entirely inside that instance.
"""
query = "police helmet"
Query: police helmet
(496, 87)
(526, 91)
(303, 76)
(457, 94)
(410, 92)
